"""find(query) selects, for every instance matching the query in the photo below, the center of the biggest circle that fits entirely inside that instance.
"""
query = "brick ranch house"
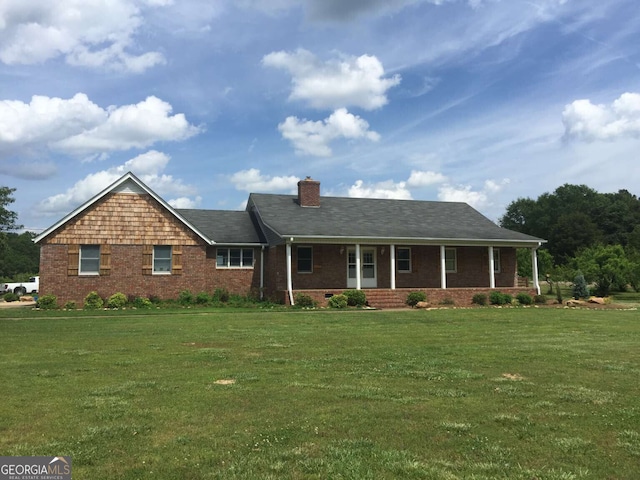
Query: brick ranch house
(127, 239)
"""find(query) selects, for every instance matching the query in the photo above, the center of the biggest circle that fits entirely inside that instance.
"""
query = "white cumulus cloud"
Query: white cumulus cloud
(589, 122)
(80, 127)
(478, 199)
(147, 166)
(252, 180)
(342, 82)
(387, 189)
(425, 178)
(90, 33)
(314, 138)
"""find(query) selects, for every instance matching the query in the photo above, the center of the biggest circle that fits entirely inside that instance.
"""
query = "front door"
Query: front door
(367, 268)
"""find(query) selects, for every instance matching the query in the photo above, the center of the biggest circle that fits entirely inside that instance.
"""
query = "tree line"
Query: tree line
(588, 233)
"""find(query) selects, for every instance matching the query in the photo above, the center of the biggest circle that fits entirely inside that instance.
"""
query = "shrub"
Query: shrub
(414, 297)
(203, 298)
(479, 299)
(93, 301)
(47, 302)
(185, 298)
(304, 301)
(338, 301)
(70, 305)
(221, 295)
(524, 298)
(558, 293)
(499, 298)
(355, 298)
(117, 300)
(540, 300)
(11, 297)
(580, 289)
(142, 302)
(447, 301)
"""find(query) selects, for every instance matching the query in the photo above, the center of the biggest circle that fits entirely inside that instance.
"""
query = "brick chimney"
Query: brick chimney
(309, 193)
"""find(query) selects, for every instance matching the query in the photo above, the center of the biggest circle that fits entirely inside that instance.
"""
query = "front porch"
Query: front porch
(385, 298)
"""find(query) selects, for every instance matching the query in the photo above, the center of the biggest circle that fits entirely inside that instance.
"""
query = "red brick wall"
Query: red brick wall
(199, 274)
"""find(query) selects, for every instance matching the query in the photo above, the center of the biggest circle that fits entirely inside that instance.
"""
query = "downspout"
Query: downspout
(262, 273)
(289, 281)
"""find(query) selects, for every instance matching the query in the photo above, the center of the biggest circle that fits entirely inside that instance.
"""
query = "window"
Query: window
(450, 260)
(234, 258)
(496, 260)
(305, 260)
(162, 259)
(403, 260)
(89, 260)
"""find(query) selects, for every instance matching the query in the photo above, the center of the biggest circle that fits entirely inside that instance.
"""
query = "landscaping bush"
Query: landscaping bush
(185, 298)
(414, 297)
(70, 305)
(580, 289)
(47, 302)
(93, 301)
(447, 301)
(117, 300)
(338, 301)
(540, 300)
(11, 297)
(221, 295)
(499, 298)
(203, 298)
(558, 293)
(524, 298)
(355, 298)
(304, 301)
(479, 299)
(142, 303)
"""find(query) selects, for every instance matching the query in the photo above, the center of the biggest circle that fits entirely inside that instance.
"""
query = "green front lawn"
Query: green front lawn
(449, 394)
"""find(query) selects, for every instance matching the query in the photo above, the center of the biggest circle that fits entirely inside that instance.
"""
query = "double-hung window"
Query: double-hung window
(162, 259)
(403, 259)
(89, 260)
(496, 261)
(450, 260)
(305, 260)
(234, 258)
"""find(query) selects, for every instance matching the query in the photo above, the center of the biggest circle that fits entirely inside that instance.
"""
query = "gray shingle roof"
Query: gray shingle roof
(378, 218)
(224, 226)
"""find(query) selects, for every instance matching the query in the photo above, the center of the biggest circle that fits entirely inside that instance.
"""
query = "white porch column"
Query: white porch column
(534, 268)
(392, 254)
(358, 268)
(443, 268)
(289, 281)
(492, 269)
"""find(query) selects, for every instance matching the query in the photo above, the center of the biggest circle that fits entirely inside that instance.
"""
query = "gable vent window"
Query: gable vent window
(234, 258)
(89, 260)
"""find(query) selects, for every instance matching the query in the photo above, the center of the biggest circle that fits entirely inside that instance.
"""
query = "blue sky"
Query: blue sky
(481, 101)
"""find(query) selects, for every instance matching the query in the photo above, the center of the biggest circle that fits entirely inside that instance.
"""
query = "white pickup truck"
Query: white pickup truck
(21, 288)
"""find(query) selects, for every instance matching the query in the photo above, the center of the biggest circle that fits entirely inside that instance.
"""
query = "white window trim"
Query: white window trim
(241, 266)
(455, 259)
(303, 272)
(398, 260)
(153, 261)
(92, 272)
(497, 261)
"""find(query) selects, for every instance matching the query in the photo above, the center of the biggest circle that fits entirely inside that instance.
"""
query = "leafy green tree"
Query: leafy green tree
(607, 266)
(20, 258)
(8, 218)
(525, 269)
